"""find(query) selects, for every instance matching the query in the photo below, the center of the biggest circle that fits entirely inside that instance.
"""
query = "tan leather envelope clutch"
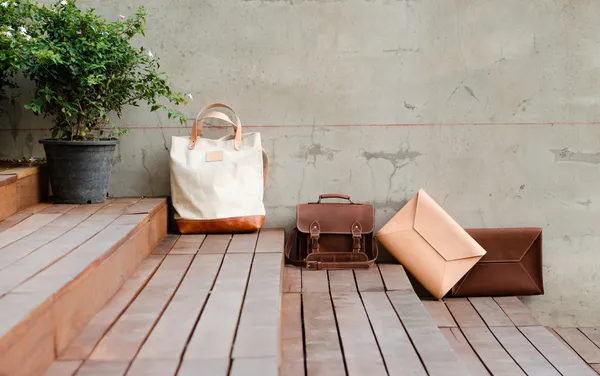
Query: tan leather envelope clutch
(512, 265)
(435, 249)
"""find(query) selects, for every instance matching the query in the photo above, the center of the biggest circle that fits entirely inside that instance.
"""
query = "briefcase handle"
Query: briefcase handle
(334, 195)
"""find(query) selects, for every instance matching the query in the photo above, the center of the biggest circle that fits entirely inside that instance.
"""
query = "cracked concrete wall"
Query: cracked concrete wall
(491, 106)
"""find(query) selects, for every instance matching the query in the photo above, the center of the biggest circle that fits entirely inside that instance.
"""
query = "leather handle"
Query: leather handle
(199, 122)
(334, 195)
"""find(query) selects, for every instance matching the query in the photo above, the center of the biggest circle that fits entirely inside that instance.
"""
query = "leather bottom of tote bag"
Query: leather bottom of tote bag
(220, 226)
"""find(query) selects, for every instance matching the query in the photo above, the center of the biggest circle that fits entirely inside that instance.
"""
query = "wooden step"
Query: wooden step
(21, 187)
(59, 265)
(199, 304)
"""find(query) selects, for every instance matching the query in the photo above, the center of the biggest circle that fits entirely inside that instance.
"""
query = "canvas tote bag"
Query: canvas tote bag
(217, 185)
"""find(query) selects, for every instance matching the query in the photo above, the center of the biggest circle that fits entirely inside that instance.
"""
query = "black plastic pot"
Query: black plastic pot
(79, 170)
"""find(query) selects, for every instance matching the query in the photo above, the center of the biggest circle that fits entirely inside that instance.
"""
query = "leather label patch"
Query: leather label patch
(214, 156)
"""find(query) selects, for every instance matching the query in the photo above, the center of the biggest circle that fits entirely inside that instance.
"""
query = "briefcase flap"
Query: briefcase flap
(507, 244)
(335, 218)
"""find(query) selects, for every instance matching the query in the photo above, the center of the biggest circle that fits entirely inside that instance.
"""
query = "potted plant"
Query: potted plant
(15, 19)
(86, 69)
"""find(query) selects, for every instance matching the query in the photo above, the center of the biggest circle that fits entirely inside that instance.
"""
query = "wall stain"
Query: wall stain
(470, 91)
(399, 50)
(398, 159)
(409, 106)
(521, 106)
(29, 144)
(317, 150)
(585, 203)
(144, 156)
(566, 155)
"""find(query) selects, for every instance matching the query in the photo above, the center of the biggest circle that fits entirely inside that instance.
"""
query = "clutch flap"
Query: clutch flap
(442, 232)
(506, 244)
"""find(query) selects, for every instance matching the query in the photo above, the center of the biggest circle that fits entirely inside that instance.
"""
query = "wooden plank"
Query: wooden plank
(292, 279)
(63, 368)
(580, 343)
(464, 313)
(490, 312)
(592, 333)
(19, 261)
(436, 354)
(66, 243)
(21, 172)
(440, 314)
(103, 368)
(26, 227)
(124, 338)
(32, 350)
(561, 357)
(254, 367)
(341, 281)
(148, 206)
(397, 350)
(518, 313)
(16, 313)
(315, 281)
(491, 352)
(394, 277)
(292, 339)
(66, 270)
(31, 190)
(187, 245)
(270, 240)
(82, 346)
(159, 225)
(551, 330)
(523, 352)
(60, 209)
(165, 245)
(170, 335)
(35, 296)
(464, 351)
(596, 368)
(369, 279)
(8, 200)
(243, 243)
(216, 243)
(87, 294)
(323, 351)
(214, 334)
(46, 234)
(258, 329)
(358, 341)
(212, 367)
(6, 179)
(153, 367)
(22, 215)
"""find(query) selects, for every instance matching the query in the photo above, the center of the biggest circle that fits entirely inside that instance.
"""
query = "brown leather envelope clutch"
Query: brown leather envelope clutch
(511, 266)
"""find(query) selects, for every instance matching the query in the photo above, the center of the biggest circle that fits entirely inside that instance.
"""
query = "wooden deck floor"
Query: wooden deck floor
(226, 305)
(199, 305)
(499, 336)
(59, 264)
(362, 322)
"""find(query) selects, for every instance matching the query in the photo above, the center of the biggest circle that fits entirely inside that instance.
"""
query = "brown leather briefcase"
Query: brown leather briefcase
(511, 266)
(332, 235)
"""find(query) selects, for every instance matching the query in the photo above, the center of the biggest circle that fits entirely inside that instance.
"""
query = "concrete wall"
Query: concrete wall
(491, 106)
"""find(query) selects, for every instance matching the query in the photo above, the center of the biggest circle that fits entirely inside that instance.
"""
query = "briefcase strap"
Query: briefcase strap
(326, 264)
